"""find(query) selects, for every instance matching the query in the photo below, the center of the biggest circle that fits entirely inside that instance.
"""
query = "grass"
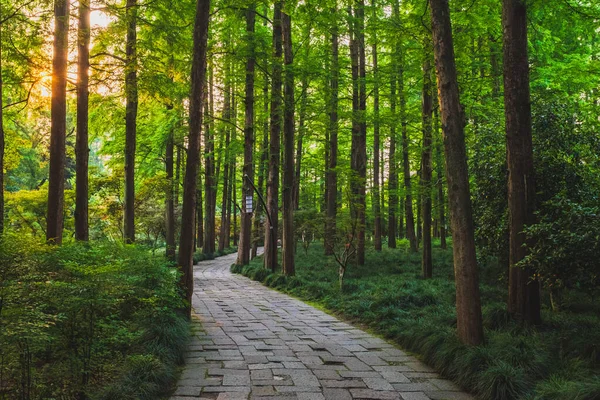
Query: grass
(558, 360)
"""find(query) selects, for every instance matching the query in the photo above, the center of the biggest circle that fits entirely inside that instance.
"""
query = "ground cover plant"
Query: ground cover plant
(559, 360)
(97, 321)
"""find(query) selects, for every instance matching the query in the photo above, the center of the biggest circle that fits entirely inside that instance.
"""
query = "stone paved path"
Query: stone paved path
(251, 342)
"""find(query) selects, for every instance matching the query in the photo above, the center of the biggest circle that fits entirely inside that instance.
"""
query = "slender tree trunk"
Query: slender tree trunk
(186, 241)
(468, 303)
(170, 205)
(81, 144)
(225, 200)
(243, 257)
(210, 183)
(288, 139)
(131, 93)
(177, 173)
(332, 190)
(523, 292)
(2, 142)
(440, 181)
(262, 170)
(393, 163)
(235, 203)
(408, 199)
(361, 159)
(376, 144)
(274, 145)
(56, 182)
(426, 170)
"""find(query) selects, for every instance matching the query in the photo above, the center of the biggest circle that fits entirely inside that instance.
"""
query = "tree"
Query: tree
(81, 146)
(248, 168)
(169, 202)
(198, 75)
(288, 242)
(523, 291)
(131, 109)
(331, 173)
(376, 140)
(210, 184)
(58, 131)
(271, 228)
(426, 168)
(2, 142)
(468, 303)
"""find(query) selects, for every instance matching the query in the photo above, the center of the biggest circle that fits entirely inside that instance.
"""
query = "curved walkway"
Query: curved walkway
(251, 342)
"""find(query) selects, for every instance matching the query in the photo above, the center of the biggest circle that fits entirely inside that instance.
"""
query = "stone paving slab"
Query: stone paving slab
(253, 343)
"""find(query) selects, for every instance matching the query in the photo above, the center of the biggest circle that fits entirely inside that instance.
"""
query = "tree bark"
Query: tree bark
(170, 204)
(56, 181)
(468, 303)
(2, 142)
(225, 201)
(330, 220)
(81, 142)
(271, 229)
(288, 140)
(426, 170)
(361, 158)
(198, 78)
(243, 257)
(376, 140)
(393, 163)
(440, 181)
(523, 292)
(210, 183)
(131, 93)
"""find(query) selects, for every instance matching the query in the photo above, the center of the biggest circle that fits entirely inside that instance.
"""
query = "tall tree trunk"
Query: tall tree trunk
(440, 181)
(426, 171)
(376, 144)
(358, 147)
(186, 240)
(408, 199)
(131, 93)
(288, 140)
(361, 158)
(271, 229)
(393, 163)
(2, 143)
(210, 183)
(523, 292)
(262, 170)
(81, 144)
(170, 204)
(330, 221)
(243, 257)
(56, 181)
(225, 200)
(234, 203)
(468, 303)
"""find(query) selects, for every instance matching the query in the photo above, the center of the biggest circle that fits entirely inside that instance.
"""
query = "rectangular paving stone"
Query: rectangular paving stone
(378, 384)
(414, 396)
(374, 394)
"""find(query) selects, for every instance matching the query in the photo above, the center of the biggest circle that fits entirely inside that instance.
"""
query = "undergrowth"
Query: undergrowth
(87, 321)
(559, 360)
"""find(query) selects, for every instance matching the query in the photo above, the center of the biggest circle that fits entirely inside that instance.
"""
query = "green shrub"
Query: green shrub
(77, 317)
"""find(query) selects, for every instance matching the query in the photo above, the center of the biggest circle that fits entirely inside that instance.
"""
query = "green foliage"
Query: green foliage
(87, 319)
(566, 247)
(557, 360)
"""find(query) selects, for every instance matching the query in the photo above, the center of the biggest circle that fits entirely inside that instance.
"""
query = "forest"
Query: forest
(429, 169)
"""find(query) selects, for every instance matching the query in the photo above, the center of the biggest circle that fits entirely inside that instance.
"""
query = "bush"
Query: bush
(81, 319)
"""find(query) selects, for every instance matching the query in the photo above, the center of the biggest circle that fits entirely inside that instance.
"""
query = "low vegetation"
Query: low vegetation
(559, 360)
(97, 321)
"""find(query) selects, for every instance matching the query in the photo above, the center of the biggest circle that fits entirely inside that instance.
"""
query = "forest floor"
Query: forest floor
(252, 342)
